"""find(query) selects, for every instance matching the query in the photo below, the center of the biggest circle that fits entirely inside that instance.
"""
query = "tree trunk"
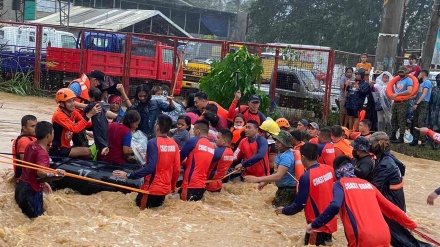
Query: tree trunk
(431, 36)
(389, 35)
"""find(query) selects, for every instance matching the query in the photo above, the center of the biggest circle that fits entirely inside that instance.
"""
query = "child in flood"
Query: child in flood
(29, 190)
(99, 121)
(181, 135)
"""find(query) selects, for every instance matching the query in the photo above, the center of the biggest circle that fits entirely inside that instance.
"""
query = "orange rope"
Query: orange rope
(38, 167)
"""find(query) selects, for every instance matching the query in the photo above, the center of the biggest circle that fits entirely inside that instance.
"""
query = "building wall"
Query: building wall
(7, 14)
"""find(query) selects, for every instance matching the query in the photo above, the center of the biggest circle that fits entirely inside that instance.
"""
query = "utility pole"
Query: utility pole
(431, 36)
(389, 35)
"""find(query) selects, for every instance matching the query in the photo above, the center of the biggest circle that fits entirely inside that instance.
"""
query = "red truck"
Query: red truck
(151, 61)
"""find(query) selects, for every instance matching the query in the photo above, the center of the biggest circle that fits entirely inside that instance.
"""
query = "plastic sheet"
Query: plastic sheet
(139, 143)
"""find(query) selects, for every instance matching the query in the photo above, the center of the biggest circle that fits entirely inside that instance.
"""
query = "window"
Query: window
(44, 37)
(100, 42)
(2, 34)
(167, 56)
(67, 41)
(31, 36)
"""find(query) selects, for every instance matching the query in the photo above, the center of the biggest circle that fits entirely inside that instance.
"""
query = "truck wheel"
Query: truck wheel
(166, 90)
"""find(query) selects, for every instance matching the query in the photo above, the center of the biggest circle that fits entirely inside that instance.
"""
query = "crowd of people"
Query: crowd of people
(315, 169)
(398, 113)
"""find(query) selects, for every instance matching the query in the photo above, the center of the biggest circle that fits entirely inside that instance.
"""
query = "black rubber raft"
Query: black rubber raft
(96, 170)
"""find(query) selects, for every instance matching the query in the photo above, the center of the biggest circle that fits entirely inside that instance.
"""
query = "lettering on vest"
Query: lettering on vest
(324, 178)
(165, 148)
(364, 186)
(206, 149)
(330, 150)
(228, 158)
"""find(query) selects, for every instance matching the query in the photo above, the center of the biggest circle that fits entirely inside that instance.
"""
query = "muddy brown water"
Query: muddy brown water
(238, 216)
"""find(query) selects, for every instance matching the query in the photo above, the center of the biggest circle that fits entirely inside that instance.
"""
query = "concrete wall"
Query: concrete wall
(7, 13)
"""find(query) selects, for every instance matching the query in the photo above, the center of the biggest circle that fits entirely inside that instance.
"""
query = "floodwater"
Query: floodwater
(238, 216)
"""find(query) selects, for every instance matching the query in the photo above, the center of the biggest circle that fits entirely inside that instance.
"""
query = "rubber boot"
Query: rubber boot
(414, 142)
(393, 136)
(399, 140)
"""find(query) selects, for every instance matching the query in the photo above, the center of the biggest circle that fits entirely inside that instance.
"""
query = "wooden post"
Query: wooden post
(431, 36)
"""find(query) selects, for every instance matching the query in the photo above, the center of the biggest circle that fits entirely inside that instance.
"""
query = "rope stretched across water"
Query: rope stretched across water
(426, 237)
(33, 166)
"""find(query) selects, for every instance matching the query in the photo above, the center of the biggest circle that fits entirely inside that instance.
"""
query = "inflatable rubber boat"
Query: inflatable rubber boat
(97, 170)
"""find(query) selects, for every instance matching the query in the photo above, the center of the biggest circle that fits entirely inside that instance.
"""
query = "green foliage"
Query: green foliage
(220, 84)
(417, 152)
(340, 24)
(22, 84)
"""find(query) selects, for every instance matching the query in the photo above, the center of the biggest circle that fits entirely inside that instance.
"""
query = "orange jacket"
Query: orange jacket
(84, 82)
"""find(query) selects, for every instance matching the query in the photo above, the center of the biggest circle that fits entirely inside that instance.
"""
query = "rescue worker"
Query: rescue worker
(314, 195)
(250, 111)
(364, 129)
(27, 135)
(199, 153)
(29, 190)
(201, 101)
(252, 150)
(399, 108)
(339, 143)
(283, 124)
(313, 130)
(388, 179)
(360, 206)
(326, 151)
(80, 88)
(222, 160)
(284, 177)
(161, 169)
(269, 128)
(66, 122)
(362, 161)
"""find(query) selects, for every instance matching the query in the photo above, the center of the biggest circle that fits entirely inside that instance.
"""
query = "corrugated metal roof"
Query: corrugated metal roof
(108, 19)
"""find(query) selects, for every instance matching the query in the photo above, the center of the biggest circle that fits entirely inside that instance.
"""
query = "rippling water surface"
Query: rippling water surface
(238, 216)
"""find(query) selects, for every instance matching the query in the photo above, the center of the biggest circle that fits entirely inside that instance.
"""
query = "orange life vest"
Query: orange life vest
(84, 82)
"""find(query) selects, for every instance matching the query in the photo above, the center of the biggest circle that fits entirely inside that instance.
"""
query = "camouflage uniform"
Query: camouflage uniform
(398, 116)
(284, 196)
(420, 115)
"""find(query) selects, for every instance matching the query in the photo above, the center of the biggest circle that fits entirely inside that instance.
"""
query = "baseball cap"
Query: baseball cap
(314, 125)
(98, 75)
(403, 69)
(304, 122)
(284, 137)
(361, 143)
(254, 98)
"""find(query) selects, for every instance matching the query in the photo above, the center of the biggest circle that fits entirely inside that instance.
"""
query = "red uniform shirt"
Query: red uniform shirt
(314, 140)
(361, 214)
(255, 154)
(222, 160)
(244, 109)
(65, 126)
(199, 153)
(166, 162)
(326, 153)
(36, 154)
(322, 178)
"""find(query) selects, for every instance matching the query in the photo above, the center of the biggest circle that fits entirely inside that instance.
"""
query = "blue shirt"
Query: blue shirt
(402, 85)
(181, 137)
(286, 159)
(426, 84)
(149, 113)
(76, 88)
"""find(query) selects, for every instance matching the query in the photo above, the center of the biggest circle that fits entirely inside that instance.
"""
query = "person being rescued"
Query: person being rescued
(284, 177)
(198, 152)
(252, 150)
(99, 121)
(360, 206)
(67, 121)
(313, 196)
(119, 139)
(237, 130)
(162, 168)
(29, 190)
(222, 160)
(27, 135)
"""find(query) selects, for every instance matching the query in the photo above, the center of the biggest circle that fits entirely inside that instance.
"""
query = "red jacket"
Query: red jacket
(368, 229)
(116, 133)
(320, 195)
(326, 153)
(244, 109)
(65, 126)
(254, 151)
(223, 157)
(167, 167)
(199, 152)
